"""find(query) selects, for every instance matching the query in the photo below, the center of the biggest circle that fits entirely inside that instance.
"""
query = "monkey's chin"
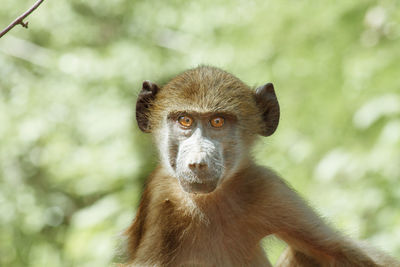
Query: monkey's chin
(198, 188)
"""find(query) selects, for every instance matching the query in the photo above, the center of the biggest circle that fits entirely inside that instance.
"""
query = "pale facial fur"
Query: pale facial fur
(199, 156)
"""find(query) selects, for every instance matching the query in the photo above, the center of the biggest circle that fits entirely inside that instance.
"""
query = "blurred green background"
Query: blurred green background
(73, 162)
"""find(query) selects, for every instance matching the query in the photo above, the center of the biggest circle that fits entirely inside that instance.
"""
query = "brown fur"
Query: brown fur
(183, 229)
(207, 89)
(224, 228)
(293, 258)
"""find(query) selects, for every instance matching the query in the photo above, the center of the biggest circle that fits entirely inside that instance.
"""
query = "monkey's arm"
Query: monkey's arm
(292, 220)
(294, 258)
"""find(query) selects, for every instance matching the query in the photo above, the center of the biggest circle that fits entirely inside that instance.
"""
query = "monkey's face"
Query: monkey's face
(201, 148)
(204, 122)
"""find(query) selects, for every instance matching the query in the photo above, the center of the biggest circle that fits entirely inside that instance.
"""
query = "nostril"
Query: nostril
(202, 166)
(197, 166)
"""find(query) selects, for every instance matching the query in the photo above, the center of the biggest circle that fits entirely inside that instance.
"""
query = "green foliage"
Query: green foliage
(73, 162)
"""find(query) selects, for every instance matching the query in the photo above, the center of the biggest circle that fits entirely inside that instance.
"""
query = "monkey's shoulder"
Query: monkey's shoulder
(156, 218)
(258, 178)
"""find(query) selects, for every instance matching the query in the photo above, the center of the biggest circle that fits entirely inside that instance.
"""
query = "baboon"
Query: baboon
(207, 203)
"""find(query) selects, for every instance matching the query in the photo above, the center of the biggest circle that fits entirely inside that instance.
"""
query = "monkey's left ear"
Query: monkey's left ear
(143, 104)
(269, 107)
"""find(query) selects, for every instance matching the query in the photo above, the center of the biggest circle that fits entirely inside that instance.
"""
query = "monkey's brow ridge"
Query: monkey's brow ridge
(177, 113)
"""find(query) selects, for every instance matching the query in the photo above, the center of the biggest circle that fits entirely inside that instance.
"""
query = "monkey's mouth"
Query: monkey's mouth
(198, 188)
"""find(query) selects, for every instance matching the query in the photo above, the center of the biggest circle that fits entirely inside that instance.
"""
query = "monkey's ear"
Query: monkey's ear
(143, 104)
(269, 107)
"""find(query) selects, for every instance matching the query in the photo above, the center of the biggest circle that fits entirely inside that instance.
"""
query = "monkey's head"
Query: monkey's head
(204, 122)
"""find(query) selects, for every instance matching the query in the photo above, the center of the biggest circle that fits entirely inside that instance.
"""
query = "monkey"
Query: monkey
(207, 203)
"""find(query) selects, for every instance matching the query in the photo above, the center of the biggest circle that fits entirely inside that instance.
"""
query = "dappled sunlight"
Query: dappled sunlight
(73, 162)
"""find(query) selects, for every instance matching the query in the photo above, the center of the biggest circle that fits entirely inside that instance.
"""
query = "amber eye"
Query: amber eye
(185, 121)
(217, 122)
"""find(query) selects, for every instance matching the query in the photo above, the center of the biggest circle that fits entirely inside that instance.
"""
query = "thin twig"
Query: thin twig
(20, 19)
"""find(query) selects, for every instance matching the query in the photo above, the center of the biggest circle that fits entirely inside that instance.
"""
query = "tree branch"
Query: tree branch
(20, 19)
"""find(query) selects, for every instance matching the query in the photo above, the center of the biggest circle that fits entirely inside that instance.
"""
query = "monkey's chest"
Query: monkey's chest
(222, 247)
(215, 242)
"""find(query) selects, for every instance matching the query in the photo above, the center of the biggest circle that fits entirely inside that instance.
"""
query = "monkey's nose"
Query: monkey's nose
(197, 166)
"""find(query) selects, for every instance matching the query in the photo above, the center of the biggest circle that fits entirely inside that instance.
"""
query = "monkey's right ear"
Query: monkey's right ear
(269, 107)
(143, 104)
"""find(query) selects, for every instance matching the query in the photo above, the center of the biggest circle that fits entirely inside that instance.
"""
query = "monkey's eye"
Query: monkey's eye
(185, 121)
(217, 122)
